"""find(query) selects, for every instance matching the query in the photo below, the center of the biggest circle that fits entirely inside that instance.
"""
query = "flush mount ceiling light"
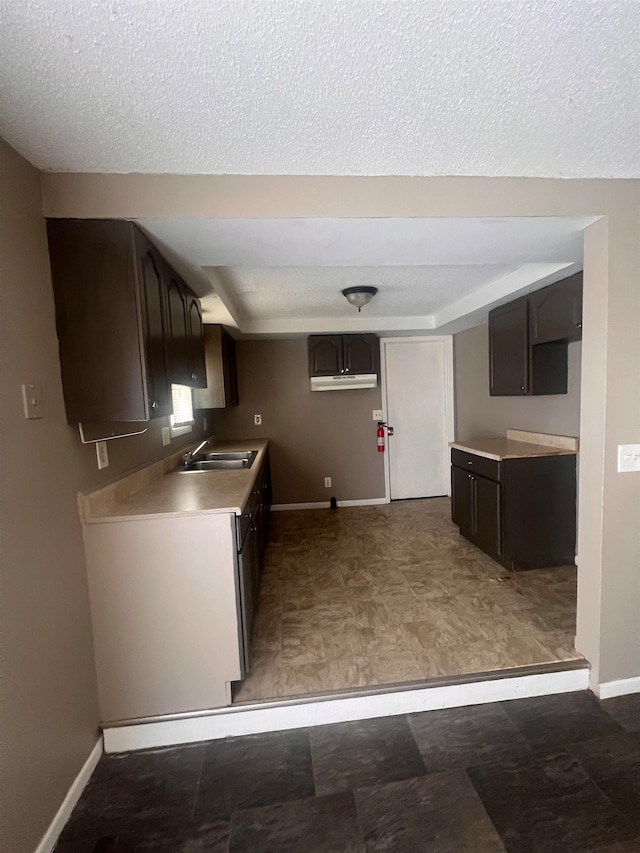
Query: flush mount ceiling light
(359, 296)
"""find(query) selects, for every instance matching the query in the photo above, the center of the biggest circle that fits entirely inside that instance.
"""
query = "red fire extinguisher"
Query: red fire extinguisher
(381, 426)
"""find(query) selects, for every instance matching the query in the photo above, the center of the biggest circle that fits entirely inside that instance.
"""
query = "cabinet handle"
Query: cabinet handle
(470, 476)
(579, 325)
(154, 405)
(470, 462)
(194, 375)
(522, 387)
(346, 370)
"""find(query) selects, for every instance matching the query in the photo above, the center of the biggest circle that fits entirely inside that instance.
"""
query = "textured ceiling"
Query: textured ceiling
(269, 293)
(367, 87)
(275, 276)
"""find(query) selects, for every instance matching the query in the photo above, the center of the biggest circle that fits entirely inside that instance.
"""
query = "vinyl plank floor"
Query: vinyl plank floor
(392, 594)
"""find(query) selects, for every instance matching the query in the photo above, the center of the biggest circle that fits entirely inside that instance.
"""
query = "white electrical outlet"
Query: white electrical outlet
(629, 457)
(103, 454)
(327, 482)
(166, 436)
(31, 401)
(257, 420)
(377, 414)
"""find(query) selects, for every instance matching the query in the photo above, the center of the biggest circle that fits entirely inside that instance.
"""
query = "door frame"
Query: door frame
(449, 396)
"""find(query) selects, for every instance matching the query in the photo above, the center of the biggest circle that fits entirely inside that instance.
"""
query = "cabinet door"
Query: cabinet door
(151, 289)
(102, 355)
(246, 569)
(555, 312)
(361, 353)
(509, 349)
(177, 329)
(487, 533)
(325, 355)
(198, 375)
(229, 369)
(462, 508)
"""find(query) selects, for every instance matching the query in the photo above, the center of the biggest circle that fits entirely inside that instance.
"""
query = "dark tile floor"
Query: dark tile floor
(557, 773)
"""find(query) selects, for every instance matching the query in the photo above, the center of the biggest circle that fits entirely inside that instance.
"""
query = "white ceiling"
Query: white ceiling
(366, 87)
(285, 276)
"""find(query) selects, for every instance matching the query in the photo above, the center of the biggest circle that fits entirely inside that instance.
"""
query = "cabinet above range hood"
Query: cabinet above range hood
(343, 362)
(344, 382)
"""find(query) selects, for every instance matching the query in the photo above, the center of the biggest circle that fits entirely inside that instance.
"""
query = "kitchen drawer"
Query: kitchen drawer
(490, 468)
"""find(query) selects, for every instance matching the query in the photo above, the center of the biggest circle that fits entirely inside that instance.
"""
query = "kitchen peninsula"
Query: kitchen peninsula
(173, 562)
(515, 497)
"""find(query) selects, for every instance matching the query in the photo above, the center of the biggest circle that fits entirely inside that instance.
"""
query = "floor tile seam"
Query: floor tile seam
(483, 805)
(199, 780)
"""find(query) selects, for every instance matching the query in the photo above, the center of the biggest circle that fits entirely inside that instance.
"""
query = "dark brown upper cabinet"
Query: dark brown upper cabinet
(151, 291)
(330, 355)
(325, 355)
(113, 320)
(195, 349)
(221, 388)
(185, 340)
(555, 312)
(509, 349)
(177, 328)
(528, 340)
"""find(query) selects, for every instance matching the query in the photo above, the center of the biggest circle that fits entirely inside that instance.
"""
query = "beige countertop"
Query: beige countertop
(518, 444)
(162, 491)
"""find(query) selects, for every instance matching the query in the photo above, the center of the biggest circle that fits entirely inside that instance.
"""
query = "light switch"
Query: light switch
(628, 457)
(32, 401)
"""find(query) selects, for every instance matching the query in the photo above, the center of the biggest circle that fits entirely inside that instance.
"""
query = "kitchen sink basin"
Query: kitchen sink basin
(222, 461)
(228, 456)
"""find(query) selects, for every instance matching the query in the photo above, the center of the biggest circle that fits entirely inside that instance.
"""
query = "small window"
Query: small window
(182, 417)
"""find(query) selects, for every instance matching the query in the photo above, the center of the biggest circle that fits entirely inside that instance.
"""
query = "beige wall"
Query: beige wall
(478, 414)
(609, 546)
(313, 434)
(137, 451)
(48, 706)
(49, 715)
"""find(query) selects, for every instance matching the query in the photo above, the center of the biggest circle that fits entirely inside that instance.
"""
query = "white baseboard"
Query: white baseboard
(50, 838)
(325, 504)
(619, 688)
(278, 717)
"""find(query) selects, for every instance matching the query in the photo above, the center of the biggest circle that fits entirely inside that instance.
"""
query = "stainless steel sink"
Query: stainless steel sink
(229, 455)
(221, 461)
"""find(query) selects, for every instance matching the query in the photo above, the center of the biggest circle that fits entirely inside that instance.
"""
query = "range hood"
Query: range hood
(344, 383)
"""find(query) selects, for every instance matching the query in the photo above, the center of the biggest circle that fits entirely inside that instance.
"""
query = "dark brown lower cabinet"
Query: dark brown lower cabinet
(253, 527)
(476, 509)
(522, 512)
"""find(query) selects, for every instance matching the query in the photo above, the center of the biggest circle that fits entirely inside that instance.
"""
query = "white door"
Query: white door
(417, 383)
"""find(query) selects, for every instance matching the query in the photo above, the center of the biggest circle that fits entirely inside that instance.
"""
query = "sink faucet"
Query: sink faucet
(191, 455)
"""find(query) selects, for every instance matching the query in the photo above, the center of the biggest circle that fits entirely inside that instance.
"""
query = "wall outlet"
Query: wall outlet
(32, 401)
(327, 482)
(103, 454)
(205, 424)
(377, 415)
(257, 420)
(166, 436)
(629, 457)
